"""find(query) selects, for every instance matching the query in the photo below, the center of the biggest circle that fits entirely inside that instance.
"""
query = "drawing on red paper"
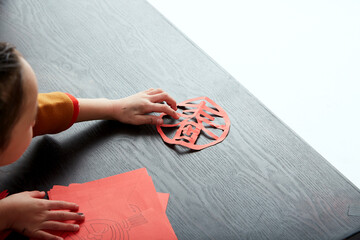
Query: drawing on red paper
(104, 229)
(99, 229)
(199, 116)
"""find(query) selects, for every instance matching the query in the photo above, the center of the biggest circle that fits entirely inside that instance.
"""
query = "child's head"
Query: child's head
(18, 104)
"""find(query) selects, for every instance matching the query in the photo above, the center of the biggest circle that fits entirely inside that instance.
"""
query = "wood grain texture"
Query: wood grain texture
(262, 182)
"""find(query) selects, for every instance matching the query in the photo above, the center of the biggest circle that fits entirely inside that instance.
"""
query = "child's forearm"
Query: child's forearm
(94, 109)
(134, 109)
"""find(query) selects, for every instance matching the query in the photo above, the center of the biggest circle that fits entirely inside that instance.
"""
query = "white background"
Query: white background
(300, 58)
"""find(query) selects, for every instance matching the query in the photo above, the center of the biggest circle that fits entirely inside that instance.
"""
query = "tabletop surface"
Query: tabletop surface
(299, 58)
(262, 182)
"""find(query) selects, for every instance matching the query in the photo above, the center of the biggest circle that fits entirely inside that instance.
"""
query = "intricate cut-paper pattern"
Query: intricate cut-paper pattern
(198, 117)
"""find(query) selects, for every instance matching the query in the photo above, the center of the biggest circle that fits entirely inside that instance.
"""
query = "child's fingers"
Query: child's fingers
(163, 108)
(154, 91)
(63, 216)
(161, 97)
(59, 226)
(149, 90)
(44, 235)
(61, 205)
(147, 119)
(37, 194)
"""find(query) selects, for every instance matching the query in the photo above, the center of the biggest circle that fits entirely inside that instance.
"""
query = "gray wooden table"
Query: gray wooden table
(262, 182)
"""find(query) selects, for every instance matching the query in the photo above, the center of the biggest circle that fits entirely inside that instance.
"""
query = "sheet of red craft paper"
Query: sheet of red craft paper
(111, 225)
(130, 210)
(74, 190)
(132, 200)
(142, 185)
(116, 179)
(141, 192)
(106, 220)
(194, 121)
(164, 199)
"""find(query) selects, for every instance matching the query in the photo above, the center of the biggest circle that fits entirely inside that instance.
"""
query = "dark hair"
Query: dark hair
(11, 91)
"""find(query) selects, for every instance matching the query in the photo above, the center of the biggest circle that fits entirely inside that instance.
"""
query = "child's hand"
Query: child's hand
(134, 109)
(29, 214)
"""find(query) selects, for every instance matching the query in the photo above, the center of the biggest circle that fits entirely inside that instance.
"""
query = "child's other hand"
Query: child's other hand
(134, 109)
(30, 215)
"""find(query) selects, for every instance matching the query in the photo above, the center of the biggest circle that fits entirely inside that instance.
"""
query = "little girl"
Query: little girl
(24, 114)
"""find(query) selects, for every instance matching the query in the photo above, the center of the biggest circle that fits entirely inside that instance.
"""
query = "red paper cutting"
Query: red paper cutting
(198, 118)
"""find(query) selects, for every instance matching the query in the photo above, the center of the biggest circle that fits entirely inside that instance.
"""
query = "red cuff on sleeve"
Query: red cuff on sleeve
(5, 233)
(76, 109)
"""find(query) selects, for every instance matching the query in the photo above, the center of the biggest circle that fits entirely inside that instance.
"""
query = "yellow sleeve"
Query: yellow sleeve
(57, 112)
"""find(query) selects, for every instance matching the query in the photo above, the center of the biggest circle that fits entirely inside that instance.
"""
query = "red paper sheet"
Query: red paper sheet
(197, 118)
(164, 199)
(125, 206)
